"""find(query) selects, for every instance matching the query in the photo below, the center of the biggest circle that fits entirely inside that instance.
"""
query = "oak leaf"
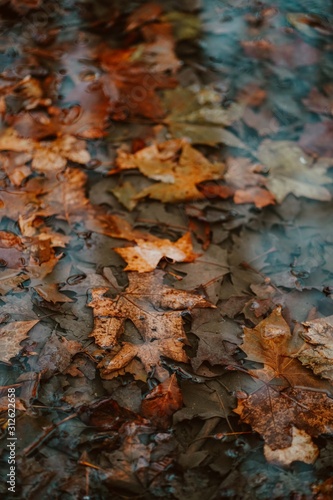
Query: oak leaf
(145, 256)
(156, 312)
(177, 166)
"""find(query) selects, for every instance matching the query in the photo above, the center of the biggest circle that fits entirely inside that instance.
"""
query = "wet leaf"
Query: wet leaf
(291, 170)
(155, 310)
(199, 117)
(287, 394)
(161, 402)
(12, 336)
(248, 183)
(146, 255)
(317, 353)
(50, 293)
(178, 167)
(47, 156)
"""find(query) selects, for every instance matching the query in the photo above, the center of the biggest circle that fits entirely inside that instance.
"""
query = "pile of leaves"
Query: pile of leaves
(166, 249)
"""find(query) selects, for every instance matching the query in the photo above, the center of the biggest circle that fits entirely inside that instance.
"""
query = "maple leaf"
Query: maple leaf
(248, 183)
(145, 256)
(47, 156)
(12, 335)
(317, 353)
(287, 394)
(162, 402)
(178, 167)
(199, 116)
(156, 312)
(291, 170)
(123, 74)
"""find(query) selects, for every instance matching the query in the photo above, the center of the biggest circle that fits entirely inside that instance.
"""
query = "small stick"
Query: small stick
(48, 431)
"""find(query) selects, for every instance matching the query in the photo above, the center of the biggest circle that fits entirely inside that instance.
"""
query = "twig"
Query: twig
(47, 433)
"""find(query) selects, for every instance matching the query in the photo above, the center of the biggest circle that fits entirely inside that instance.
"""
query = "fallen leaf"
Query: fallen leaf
(161, 402)
(124, 74)
(178, 167)
(273, 414)
(200, 117)
(47, 156)
(218, 339)
(73, 120)
(317, 353)
(12, 335)
(146, 255)
(156, 312)
(56, 355)
(106, 414)
(287, 394)
(316, 138)
(248, 182)
(302, 449)
(291, 170)
(50, 293)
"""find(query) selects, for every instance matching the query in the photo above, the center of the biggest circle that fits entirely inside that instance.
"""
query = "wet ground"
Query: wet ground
(86, 86)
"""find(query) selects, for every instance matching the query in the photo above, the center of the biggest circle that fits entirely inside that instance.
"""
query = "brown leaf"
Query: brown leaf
(145, 256)
(257, 195)
(47, 156)
(50, 293)
(12, 335)
(287, 394)
(302, 449)
(161, 402)
(273, 413)
(155, 310)
(178, 167)
(106, 414)
(248, 182)
(124, 74)
(86, 119)
(317, 353)
(57, 354)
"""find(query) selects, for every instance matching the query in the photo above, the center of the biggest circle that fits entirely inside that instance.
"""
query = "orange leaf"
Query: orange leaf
(162, 402)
